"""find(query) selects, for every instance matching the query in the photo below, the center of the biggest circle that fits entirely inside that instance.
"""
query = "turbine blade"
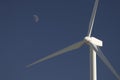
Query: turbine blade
(107, 63)
(105, 60)
(67, 49)
(92, 17)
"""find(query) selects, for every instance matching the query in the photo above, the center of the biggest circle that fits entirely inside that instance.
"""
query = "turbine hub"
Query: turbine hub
(93, 40)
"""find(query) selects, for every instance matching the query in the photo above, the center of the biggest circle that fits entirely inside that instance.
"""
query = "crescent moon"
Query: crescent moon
(36, 18)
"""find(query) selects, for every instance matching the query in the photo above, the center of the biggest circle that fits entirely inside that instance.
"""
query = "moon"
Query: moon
(36, 18)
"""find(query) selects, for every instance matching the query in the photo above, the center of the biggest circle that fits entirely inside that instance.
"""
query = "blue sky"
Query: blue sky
(61, 23)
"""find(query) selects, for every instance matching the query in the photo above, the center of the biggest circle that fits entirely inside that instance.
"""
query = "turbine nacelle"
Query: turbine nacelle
(93, 40)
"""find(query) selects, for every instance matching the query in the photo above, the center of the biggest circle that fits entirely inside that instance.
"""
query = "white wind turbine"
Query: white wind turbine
(94, 45)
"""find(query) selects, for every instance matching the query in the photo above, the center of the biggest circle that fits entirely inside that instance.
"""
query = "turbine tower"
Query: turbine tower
(94, 45)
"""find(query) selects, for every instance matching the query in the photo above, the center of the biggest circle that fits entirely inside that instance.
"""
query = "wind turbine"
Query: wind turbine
(94, 45)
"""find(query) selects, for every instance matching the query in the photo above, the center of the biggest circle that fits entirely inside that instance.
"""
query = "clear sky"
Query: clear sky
(61, 23)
